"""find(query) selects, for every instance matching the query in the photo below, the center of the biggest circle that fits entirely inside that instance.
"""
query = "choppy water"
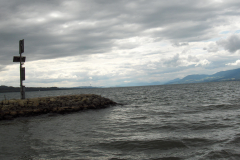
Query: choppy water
(192, 121)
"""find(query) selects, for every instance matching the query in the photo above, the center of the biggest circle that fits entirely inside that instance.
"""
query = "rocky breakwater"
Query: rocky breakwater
(10, 109)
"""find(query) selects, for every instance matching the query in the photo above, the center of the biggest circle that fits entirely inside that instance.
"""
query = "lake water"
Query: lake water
(188, 121)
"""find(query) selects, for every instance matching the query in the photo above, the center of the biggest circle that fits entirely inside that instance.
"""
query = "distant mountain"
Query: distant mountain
(230, 75)
(173, 81)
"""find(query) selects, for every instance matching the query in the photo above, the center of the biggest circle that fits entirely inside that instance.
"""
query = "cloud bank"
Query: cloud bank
(115, 42)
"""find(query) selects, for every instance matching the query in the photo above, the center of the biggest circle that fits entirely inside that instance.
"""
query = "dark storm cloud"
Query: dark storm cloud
(53, 29)
(231, 43)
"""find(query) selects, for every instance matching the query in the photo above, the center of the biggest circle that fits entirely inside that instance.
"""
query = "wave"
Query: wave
(221, 154)
(143, 145)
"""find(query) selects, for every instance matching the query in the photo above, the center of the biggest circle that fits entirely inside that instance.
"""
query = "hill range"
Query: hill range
(229, 75)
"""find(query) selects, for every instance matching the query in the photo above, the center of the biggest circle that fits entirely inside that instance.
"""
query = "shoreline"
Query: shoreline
(10, 109)
(7, 89)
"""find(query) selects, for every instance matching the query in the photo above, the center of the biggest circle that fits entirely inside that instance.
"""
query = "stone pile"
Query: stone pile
(10, 109)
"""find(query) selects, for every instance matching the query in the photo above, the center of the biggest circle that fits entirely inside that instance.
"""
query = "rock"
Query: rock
(52, 99)
(60, 104)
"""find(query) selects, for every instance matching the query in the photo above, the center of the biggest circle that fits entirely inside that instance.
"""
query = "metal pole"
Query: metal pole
(20, 69)
(21, 86)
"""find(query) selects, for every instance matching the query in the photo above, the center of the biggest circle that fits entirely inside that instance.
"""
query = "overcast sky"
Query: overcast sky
(117, 42)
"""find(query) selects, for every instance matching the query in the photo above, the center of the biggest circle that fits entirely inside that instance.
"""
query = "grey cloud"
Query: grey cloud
(177, 61)
(92, 26)
(2, 68)
(231, 43)
(191, 58)
(219, 62)
(185, 50)
(212, 47)
(173, 61)
(191, 32)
